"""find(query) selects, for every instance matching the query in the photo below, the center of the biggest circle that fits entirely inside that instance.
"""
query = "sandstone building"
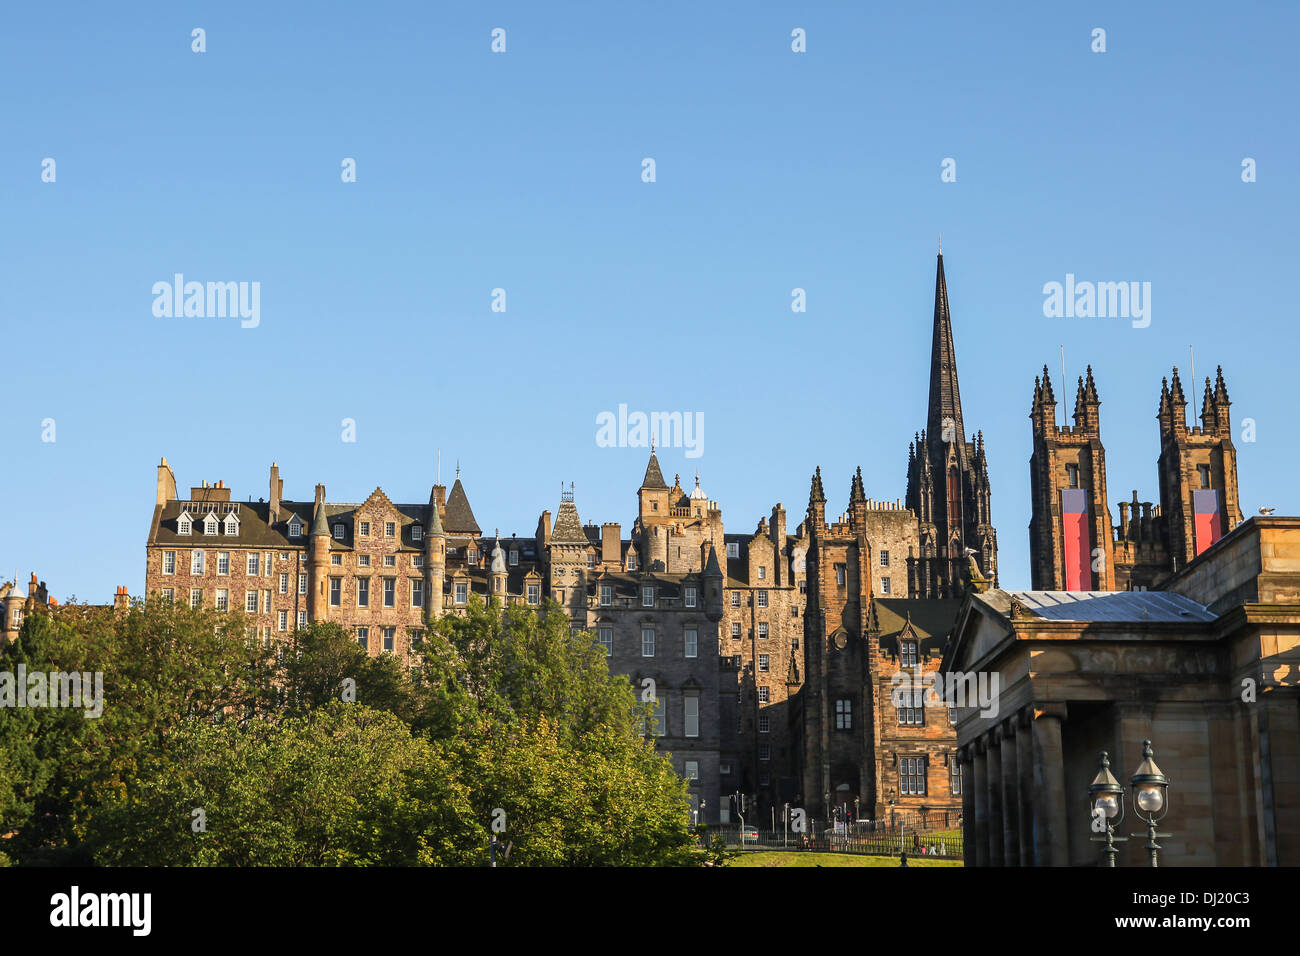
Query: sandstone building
(771, 656)
(1207, 668)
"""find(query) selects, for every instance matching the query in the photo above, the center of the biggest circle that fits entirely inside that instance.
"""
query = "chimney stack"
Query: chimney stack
(277, 487)
(166, 484)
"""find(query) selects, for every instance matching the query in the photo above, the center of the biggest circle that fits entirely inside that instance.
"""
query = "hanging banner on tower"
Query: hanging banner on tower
(1077, 540)
(1209, 522)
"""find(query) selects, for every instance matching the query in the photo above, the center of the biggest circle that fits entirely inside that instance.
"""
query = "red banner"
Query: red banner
(1078, 539)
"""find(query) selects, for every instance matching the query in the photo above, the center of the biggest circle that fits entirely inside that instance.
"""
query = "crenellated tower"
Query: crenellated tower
(1198, 471)
(1070, 525)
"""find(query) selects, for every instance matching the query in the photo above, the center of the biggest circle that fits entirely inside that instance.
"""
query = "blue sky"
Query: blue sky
(522, 171)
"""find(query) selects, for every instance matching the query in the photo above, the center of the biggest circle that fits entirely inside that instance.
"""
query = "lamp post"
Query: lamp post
(1106, 803)
(1150, 799)
(785, 817)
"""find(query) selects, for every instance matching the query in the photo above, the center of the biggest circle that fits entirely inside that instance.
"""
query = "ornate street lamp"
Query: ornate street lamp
(1106, 805)
(1150, 799)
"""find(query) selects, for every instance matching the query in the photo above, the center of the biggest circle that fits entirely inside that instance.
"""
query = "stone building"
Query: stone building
(16, 607)
(1207, 668)
(860, 751)
(770, 653)
(1073, 544)
(654, 602)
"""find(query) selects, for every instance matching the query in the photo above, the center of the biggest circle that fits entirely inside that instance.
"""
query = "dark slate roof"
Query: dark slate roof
(654, 478)
(931, 621)
(459, 517)
(1123, 607)
(255, 531)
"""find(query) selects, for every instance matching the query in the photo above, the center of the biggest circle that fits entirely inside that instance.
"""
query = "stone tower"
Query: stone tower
(1073, 545)
(1070, 527)
(947, 477)
(319, 560)
(566, 551)
(1198, 471)
(435, 557)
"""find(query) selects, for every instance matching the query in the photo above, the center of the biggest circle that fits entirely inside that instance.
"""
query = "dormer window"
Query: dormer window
(232, 525)
(907, 653)
(210, 524)
(471, 557)
(733, 549)
(183, 524)
(647, 596)
(417, 532)
(295, 527)
(631, 560)
(338, 532)
(514, 559)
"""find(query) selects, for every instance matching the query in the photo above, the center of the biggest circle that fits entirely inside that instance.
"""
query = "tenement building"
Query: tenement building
(782, 663)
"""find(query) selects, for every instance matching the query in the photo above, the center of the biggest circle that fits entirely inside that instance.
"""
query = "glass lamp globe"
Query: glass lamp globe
(1107, 803)
(1149, 786)
(1150, 798)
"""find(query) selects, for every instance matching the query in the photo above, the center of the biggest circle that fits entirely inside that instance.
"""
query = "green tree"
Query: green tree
(343, 786)
(320, 658)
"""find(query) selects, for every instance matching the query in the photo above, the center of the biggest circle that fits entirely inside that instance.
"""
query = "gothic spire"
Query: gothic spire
(1090, 388)
(817, 495)
(945, 397)
(1220, 389)
(1048, 397)
(857, 492)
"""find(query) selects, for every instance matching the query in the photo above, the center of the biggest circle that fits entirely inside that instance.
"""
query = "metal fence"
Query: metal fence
(873, 840)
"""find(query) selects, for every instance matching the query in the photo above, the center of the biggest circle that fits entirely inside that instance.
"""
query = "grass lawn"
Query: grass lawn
(811, 858)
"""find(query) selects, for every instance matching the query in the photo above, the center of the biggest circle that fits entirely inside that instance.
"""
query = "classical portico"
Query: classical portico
(1208, 669)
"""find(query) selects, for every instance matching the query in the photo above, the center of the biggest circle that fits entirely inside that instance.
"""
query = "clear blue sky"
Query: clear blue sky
(523, 171)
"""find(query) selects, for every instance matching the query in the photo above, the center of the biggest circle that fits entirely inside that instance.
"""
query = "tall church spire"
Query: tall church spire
(945, 397)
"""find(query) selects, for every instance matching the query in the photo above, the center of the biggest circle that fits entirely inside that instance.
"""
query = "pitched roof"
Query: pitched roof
(654, 478)
(459, 518)
(568, 526)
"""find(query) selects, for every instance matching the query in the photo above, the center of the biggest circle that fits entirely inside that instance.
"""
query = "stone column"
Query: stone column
(966, 756)
(1049, 787)
(1025, 772)
(1010, 796)
(994, 784)
(981, 786)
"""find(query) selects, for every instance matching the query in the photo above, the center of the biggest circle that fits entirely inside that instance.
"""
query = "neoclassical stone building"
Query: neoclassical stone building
(1207, 668)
